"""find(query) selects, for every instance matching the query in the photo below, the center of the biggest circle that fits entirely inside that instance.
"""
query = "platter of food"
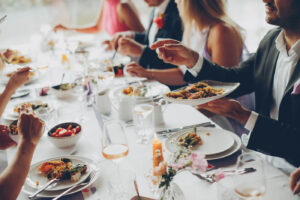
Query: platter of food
(12, 111)
(144, 91)
(204, 140)
(63, 91)
(28, 189)
(14, 57)
(201, 92)
(68, 171)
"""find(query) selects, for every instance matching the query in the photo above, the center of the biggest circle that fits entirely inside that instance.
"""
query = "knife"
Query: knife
(205, 124)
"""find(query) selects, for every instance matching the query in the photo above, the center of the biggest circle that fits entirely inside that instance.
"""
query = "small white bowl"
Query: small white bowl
(67, 141)
(62, 94)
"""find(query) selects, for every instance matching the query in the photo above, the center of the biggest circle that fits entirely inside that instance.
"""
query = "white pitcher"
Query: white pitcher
(158, 112)
(102, 102)
(124, 108)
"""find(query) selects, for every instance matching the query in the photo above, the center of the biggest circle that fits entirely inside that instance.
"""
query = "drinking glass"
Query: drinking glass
(143, 122)
(114, 141)
(250, 186)
(115, 148)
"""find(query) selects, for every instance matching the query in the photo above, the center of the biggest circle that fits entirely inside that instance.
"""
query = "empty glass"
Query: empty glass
(250, 186)
(143, 122)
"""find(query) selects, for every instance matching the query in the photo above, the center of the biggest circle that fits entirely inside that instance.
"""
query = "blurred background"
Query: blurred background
(25, 17)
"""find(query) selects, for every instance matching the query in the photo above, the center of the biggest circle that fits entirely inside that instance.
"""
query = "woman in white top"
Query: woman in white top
(209, 30)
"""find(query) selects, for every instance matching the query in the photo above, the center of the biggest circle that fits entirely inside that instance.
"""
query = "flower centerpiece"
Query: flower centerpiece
(182, 160)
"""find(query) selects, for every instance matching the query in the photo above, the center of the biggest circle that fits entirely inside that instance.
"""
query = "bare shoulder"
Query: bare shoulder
(224, 32)
(125, 7)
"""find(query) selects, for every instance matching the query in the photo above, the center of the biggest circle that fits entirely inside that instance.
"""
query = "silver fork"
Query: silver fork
(85, 182)
(43, 188)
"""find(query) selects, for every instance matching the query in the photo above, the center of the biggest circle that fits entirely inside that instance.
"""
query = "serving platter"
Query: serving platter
(227, 87)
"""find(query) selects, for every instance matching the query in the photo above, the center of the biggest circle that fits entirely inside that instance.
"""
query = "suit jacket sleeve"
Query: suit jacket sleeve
(276, 138)
(140, 37)
(242, 74)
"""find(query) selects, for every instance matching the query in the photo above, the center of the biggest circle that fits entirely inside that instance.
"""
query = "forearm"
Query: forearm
(93, 29)
(13, 177)
(168, 76)
(4, 98)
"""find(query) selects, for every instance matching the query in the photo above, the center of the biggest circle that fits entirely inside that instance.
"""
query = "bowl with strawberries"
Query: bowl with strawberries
(65, 135)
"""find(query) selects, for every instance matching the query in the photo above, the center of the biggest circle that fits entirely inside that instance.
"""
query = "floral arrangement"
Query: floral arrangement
(181, 161)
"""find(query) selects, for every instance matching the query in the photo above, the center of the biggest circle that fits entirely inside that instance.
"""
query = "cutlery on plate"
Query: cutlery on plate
(136, 189)
(43, 188)
(114, 55)
(211, 177)
(85, 182)
(3, 18)
(167, 131)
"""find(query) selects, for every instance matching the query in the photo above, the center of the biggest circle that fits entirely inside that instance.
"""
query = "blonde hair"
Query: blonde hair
(195, 12)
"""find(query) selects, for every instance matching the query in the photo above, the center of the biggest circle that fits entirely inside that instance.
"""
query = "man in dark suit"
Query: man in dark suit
(271, 73)
(165, 23)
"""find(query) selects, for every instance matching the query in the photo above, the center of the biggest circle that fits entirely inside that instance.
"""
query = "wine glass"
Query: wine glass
(115, 148)
(114, 141)
(250, 186)
(143, 122)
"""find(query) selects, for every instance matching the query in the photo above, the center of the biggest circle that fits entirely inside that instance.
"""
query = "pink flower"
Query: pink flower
(218, 175)
(199, 163)
(161, 169)
(179, 164)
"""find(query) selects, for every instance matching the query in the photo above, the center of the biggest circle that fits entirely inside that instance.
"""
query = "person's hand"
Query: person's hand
(295, 181)
(129, 47)
(19, 78)
(109, 46)
(134, 69)
(228, 108)
(5, 140)
(174, 52)
(59, 27)
(30, 128)
(115, 40)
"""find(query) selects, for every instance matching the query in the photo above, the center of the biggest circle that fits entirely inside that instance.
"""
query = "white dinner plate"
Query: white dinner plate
(35, 176)
(235, 147)
(10, 113)
(155, 89)
(216, 142)
(48, 194)
(4, 79)
(227, 87)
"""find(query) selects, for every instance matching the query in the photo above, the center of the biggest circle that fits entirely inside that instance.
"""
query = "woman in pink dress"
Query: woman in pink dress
(115, 16)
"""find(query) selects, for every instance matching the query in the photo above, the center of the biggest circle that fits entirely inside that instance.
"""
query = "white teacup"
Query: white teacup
(102, 102)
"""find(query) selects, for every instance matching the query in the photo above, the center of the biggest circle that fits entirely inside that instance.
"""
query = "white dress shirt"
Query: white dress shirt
(161, 9)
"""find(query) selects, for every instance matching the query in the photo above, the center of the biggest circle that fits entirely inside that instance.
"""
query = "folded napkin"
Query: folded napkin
(296, 89)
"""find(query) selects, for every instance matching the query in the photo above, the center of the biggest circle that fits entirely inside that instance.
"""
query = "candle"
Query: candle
(157, 152)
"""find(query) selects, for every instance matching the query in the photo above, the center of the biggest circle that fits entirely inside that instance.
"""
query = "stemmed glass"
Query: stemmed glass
(114, 141)
(115, 148)
(250, 186)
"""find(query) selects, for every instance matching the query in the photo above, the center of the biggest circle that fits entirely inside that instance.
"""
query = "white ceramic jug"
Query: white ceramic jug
(158, 112)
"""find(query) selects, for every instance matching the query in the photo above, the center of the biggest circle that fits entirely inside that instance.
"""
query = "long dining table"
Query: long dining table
(138, 163)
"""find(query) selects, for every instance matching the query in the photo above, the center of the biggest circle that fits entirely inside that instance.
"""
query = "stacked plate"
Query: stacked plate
(216, 143)
(59, 187)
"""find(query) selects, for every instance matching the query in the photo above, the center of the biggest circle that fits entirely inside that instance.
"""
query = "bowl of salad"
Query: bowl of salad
(65, 135)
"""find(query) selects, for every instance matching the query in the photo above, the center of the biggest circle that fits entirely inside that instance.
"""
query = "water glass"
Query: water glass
(143, 122)
(250, 186)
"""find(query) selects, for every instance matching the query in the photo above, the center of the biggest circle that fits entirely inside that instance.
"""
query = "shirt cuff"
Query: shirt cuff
(251, 121)
(194, 70)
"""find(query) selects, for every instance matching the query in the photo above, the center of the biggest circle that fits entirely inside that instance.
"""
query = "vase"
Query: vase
(173, 192)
